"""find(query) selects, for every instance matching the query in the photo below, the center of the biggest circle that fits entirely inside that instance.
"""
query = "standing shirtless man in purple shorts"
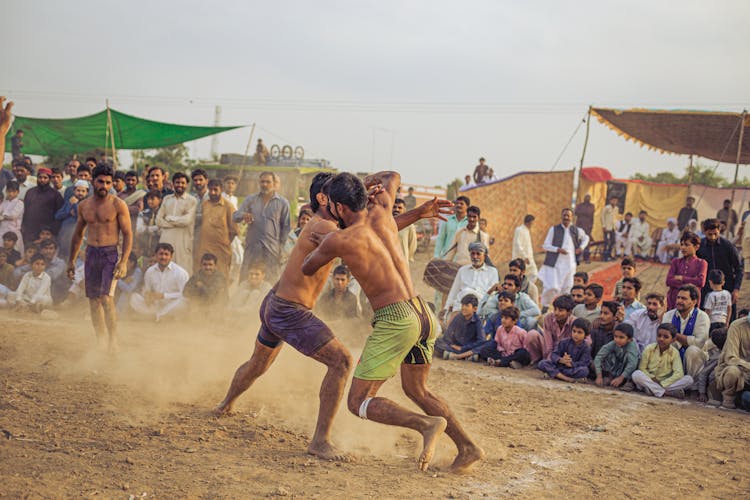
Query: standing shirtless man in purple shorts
(106, 216)
(286, 316)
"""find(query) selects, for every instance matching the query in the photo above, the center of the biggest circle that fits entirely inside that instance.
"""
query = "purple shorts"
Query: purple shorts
(99, 271)
(293, 323)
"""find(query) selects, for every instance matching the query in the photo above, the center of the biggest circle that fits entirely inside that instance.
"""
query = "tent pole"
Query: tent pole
(583, 153)
(690, 171)
(112, 137)
(247, 151)
(739, 153)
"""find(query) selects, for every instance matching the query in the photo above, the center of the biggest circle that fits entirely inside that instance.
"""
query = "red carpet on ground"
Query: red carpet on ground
(609, 275)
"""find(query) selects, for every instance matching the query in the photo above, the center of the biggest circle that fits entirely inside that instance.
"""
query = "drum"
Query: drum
(439, 274)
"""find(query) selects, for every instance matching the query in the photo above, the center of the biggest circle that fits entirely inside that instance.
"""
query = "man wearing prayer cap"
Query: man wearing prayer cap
(669, 243)
(472, 279)
(40, 205)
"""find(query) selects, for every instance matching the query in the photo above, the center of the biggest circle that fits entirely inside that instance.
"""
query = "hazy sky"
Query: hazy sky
(431, 84)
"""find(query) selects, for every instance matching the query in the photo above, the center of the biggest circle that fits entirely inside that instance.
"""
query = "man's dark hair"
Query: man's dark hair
(90, 158)
(230, 178)
(180, 175)
(669, 327)
(528, 218)
(512, 277)
(47, 243)
(55, 170)
(719, 336)
(507, 295)
(12, 186)
(36, 257)
(625, 328)
(165, 246)
(83, 168)
(715, 276)
(635, 282)
(583, 275)
(197, 172)
(19, 162)
(690, 237)
(348, 190)
(399, 200)
(511, 312)
(519, 263)
(120, 175)
(103, 169)
(470, 299)
(474, 210)
(209, 256)
(153, 194)
(578, 287)
(564, 302)
(709, 224)
(583, 324)
(692, 290)
(316, 186)
(596, 289)
(131, 173)
(465, 199)
(341, 269)
(655, 296)
(214, 183)
(10, 235)
(151, 169)
(627, 261)
(611, 305)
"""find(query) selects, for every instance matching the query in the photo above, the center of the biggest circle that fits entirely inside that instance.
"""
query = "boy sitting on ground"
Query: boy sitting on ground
(9, 245)
(505, 300)
(509, 347)
(603, 329)
(713, 349)
(571, 358)
(718, 304)
(617, 360)
(660, 371)
(464, 333)
(34, 293)
(251, 292)
(6, 270)
(590, 309)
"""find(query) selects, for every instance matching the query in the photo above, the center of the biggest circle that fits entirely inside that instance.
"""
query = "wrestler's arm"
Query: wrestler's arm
(322, 255)
(6, 117)
(123, 220)
(75, 242)
(390, 181)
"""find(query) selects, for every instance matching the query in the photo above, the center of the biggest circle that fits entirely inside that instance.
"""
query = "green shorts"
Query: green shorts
(403, 332)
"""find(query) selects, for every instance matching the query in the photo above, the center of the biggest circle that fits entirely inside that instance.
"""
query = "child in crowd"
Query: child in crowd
(713, 350)
(45, 233)
(250, 293)
(10, 241)
(34, 293)
(617, 360)
(581, 278)
(208, 287)
(146, 230)
(510, 342)
(11, 216)
(577, 292)
(505, 300)
(603, 330)
(24, 265)
(128, 285)
(628, 271)
(464, 333)
(743, 313)
(660, 371)
(6, 270)
(571, 358)
(718, 304)
(590, 308)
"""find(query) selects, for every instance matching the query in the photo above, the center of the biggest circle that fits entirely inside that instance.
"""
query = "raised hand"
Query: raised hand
(436, 207)
(6, 116)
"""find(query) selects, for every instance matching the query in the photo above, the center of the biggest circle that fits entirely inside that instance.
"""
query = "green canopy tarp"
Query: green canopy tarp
(44, 136)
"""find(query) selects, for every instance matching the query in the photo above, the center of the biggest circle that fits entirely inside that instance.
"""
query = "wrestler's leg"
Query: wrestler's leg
(339, 362)
(262, 358)
(414, 383)
(362, 402)
(110, 318)
(97, 317)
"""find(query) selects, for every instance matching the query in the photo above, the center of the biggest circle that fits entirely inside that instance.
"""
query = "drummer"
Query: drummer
(475, 278)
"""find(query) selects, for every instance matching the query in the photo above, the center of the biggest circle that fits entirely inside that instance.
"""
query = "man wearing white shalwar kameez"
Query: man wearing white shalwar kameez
(176, 219)
(669, 242)
(640, 235)
(562, 244)
(524, 249)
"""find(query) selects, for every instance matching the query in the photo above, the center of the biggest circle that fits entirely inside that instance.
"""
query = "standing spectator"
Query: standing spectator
(68, 217)
(70, 169)
(687, 213)
(728, 216)
(481, 172)
(163, 286)
(16, 144)
(450, 225)
(669, 243)
(585, 220)
(721, 254)
(408, 235)
(458, 250)
(733, 371)
(609, 221)
(155, 181)
(230, 187)
(83, 173)
(686, 270)
(564, 242)
(410, 200)
(468, 182)
(217, 228)
(200, 191)
(267, 215)
(11, 213)
(718, 303)
(133, 197)
(261, 153)
(21, 176)
(176, 220)
(146, 230)
(692, 327)
(623, 237)
(56, 180)
(40, 205)
(523, 248)
(640, 236)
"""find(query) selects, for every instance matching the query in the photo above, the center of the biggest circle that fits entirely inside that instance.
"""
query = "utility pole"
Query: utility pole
(215, 137)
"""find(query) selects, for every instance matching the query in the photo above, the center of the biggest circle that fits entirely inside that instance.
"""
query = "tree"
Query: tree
(60, 159)
(453, 187)
(702, 174)
(171, 158)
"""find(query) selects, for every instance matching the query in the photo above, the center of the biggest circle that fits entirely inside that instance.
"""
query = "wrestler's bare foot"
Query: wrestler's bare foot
(113, 346)
(466, 458)
(430, 436)
(223, 410)
(327, 451)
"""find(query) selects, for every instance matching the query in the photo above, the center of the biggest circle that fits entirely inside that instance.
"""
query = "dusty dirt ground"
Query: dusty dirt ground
(77, 422)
